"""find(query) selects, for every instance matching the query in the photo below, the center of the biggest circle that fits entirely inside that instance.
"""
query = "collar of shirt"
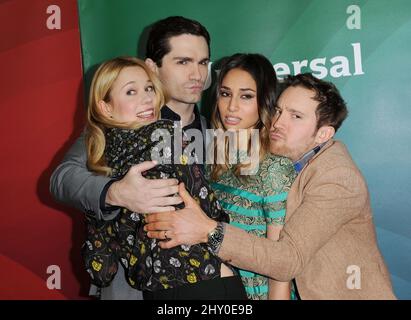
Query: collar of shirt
(300, 163)
(167, 113)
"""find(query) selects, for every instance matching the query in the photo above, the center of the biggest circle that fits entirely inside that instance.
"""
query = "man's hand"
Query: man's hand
(186, 226)
(142, 195)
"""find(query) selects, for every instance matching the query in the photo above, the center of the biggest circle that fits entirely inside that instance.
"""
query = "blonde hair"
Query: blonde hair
(97, 122)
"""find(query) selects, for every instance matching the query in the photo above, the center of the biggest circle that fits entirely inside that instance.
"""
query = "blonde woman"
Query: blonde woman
(123, 112)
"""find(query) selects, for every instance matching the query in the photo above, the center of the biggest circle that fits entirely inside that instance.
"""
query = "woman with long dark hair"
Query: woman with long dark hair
(246, 95)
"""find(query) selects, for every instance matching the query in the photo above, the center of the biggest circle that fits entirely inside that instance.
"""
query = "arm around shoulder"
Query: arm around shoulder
(330, 200)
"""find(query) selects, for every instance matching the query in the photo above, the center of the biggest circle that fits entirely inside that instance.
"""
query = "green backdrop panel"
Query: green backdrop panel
(364, 50)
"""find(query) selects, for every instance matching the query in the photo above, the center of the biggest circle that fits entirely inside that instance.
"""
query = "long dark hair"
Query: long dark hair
(263, 73)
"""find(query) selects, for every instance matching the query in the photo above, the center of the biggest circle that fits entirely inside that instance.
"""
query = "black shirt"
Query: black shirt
(166, 113)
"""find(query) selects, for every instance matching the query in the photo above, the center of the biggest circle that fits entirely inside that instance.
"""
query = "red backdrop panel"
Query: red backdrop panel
(42, 113)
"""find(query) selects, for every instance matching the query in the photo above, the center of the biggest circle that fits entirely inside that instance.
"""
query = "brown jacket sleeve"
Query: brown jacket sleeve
(330, 199)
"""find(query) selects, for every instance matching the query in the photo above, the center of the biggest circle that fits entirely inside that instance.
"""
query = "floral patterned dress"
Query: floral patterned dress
(148, 267)
(253, 202)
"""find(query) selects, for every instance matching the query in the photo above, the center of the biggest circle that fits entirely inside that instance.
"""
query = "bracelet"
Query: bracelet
(216, 237)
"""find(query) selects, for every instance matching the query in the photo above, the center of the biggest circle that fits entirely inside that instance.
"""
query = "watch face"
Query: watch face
(215, 237)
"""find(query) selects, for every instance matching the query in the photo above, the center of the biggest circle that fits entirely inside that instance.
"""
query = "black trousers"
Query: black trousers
(226, 288)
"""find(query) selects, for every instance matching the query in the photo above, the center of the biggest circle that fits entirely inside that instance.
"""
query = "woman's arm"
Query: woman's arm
(279, 177)
(277, 290)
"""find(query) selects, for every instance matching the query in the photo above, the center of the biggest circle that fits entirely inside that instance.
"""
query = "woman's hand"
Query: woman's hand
(186, 226)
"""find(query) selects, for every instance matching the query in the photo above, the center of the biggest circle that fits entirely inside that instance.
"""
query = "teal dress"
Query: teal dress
(253, 202)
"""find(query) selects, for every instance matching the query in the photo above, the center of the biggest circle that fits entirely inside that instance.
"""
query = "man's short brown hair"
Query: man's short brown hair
(331, 110)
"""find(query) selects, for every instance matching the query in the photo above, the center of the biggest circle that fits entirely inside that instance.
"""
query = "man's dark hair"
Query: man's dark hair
(331, 110)
(158, 44)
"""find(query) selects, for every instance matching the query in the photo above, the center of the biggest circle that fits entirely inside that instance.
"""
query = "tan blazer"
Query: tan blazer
(328, 243)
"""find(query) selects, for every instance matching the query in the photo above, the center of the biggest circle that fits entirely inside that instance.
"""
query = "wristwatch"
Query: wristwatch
(215, 238)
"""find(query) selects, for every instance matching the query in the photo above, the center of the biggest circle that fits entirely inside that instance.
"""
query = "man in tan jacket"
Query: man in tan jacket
(328, 244)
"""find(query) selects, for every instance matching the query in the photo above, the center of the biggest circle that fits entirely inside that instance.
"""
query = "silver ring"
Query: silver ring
(165, 235)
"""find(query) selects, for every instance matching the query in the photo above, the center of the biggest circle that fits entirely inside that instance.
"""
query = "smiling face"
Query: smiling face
(237, 100)
(132, 97)
(294, 127)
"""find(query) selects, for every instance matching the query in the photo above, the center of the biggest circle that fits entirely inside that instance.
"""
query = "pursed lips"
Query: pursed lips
(197, 87)
(275, 135)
